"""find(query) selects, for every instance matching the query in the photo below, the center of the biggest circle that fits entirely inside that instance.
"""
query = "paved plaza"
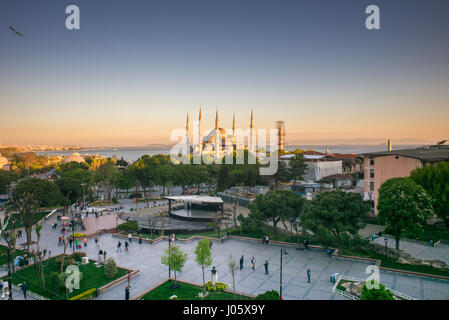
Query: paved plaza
(146, 258)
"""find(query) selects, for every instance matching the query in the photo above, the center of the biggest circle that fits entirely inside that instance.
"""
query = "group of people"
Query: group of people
(253, 264)
(77, 243)
(265, 239)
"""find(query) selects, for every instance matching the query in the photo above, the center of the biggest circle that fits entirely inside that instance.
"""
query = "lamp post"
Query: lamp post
(170, 239)
(386, 242)
(84, 197)
(283, 251)
(73, 231)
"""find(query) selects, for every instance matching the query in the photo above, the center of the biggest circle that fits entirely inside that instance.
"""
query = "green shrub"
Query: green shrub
(135, 195)
(269, 295)
(86, 295)
(381, 293)
(219, 286)
(114, 200)
(110, 268)
(77, 256)
(55, 284)
(131, 225)
(68, 260)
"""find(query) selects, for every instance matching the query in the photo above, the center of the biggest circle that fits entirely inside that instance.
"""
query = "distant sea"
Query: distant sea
(134, 153)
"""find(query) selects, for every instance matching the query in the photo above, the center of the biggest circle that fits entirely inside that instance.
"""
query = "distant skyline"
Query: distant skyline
(134, 69)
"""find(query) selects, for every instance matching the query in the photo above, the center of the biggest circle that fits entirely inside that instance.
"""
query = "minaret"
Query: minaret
(233, 132)
(389, 145)
(252, 134)
(200, 143)
(187, 132)
(217, 137)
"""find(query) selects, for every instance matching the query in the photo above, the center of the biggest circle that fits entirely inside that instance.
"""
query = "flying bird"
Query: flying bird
(15, 31)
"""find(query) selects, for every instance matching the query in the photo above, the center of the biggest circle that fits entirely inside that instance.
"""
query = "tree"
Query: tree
(183, 176)
(232, 265)
(435, 180)
(70, 190)
(298, 166)
(223, 178)
(6, 179)
(105, 176)
(30, 194)
(403, 206)
(110, 268)
(175, 259)
(335, 217)
(373, 293)
(8, 233)
(281, 175)
(275, 206)
(203, 255)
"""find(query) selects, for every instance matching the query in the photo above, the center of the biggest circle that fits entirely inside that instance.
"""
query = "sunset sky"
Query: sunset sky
(134, 69)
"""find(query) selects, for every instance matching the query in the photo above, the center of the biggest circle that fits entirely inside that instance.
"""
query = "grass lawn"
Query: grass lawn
(188, 292)
(102, 203)
(431, 232)
(93, 277)
(280, 236)
(37, 217)
(394, 264)
(4, 254)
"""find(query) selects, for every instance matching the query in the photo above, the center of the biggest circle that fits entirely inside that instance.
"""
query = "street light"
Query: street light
(84, 198)
(386, 242)
(283, 251)
(170, 239)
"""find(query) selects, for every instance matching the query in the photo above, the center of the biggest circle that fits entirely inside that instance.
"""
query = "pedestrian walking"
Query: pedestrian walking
(19, 234)
(85, 242)
(129, 278)
(266, 266)
(267, 239)
(96, 239)
(126, 246)
(129, 237)
(308, 275)
(127, 293)
(263, 239)
(140, 239)
(70, 242)
(5, 288)
(306, 244)
(329, 253)
(76, 244)
(59, 241)
(241, 262)
(253, 262)
(24, 289)
(100, 255)
(104, 256)
(119, 247)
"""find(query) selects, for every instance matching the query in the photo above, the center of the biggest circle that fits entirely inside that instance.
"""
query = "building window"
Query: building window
(371, 185)
(371, 173)
(371, 162)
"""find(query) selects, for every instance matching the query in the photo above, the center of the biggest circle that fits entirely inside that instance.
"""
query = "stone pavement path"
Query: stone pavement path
(419, 251)
(146, 258)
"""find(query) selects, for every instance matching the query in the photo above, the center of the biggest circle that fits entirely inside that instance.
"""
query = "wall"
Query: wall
(320, 169)
(385, 168)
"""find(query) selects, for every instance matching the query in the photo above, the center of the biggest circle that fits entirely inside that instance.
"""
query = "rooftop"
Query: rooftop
(428, 153)
(196, 199)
